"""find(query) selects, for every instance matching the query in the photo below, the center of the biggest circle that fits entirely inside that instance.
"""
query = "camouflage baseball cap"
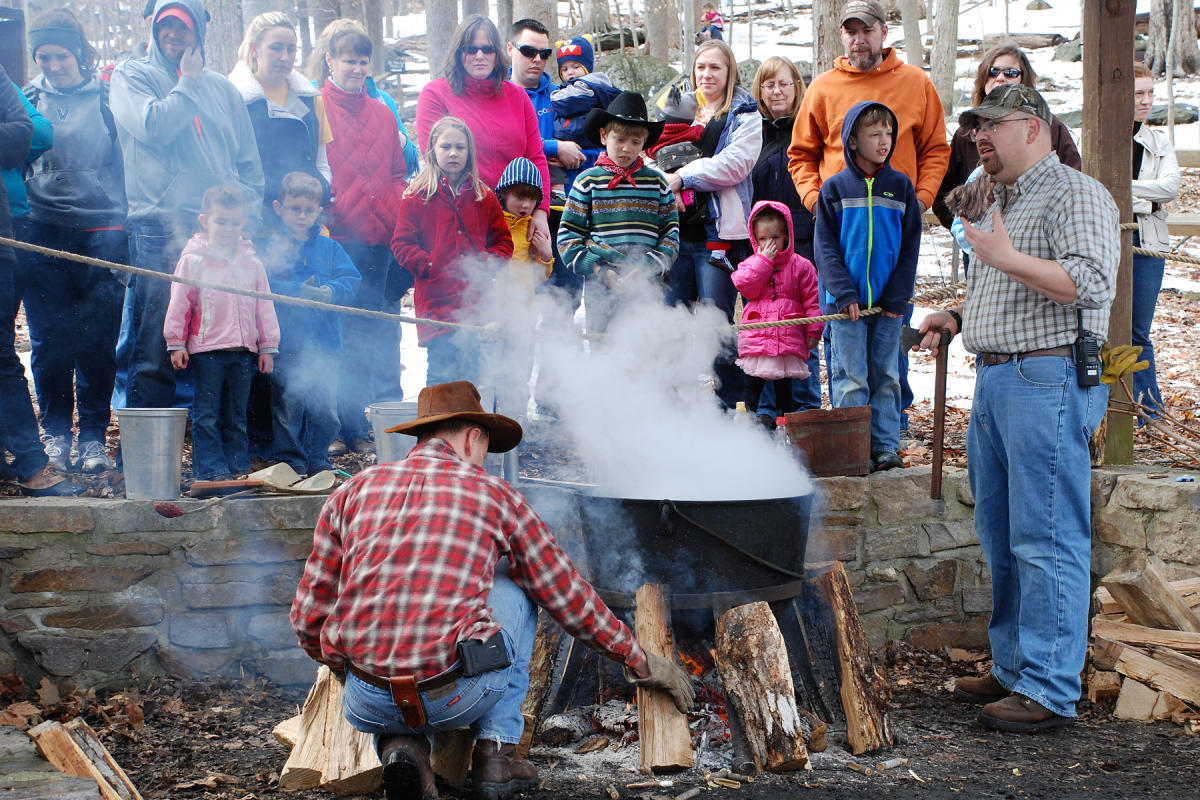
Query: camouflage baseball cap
(1004, 100)
(867, 11)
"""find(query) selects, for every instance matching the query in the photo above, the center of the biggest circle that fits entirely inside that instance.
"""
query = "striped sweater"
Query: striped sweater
(635, 220)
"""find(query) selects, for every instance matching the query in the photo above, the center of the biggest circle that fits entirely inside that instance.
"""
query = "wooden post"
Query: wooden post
(666, 741)
(1107, 157)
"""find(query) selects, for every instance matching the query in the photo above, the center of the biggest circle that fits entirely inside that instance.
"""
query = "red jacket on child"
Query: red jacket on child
(430, 242)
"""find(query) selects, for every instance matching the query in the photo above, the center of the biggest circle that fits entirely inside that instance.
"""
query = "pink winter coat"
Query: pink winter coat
(785, 288)
(207, 319)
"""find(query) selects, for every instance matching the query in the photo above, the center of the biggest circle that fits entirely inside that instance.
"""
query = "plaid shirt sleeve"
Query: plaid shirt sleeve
(318, 589)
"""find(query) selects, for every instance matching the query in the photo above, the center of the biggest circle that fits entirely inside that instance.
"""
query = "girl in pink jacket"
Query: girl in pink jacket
(221, 335)
(776, 284)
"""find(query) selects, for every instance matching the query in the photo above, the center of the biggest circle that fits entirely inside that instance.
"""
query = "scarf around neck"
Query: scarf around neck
(619, 172)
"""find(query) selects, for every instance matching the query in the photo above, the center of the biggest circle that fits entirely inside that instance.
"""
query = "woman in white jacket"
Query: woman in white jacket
(712, 242)
(1156, 183)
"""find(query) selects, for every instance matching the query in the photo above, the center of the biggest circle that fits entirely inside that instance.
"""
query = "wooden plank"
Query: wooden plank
(1142, 636)
(1188, 589)
(664, 737)
(302, 770)
(1188, 157)
(1136, 701)
(1183, 224)
(1139, 665)
(1146, 597)
(752, 660)
(57, 746)
(86, 738)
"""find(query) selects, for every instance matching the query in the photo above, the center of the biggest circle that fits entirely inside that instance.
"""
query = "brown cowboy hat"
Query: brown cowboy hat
(460, 400)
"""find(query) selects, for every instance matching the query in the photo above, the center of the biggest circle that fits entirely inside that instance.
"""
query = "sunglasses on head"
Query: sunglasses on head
(529, 51)
(486, 49)
(1009, 72)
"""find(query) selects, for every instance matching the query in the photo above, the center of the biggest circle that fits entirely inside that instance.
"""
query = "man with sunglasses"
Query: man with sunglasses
(1039, 292)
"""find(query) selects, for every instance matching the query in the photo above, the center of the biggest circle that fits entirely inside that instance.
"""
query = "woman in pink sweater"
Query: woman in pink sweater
(499, 113)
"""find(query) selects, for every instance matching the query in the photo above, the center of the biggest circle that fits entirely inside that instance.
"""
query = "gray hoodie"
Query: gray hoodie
(79, 182)
(181, 135)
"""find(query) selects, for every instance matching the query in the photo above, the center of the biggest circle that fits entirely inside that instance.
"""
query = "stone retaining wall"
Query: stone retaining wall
(103, 591)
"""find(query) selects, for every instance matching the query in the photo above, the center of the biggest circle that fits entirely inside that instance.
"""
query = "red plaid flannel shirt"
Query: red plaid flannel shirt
(402, 563)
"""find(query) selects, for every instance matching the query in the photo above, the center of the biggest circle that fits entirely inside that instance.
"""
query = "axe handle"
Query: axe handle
(939, 415)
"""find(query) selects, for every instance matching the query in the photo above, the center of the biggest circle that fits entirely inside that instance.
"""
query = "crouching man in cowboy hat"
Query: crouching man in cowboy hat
(423, 585)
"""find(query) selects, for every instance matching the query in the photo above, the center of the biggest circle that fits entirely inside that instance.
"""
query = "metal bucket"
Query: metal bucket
(152, 451)
(391, 446)
(836, 441)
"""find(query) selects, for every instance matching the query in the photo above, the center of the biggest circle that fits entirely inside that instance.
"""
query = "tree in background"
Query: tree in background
(544, 11)
(1168, 41)
(944, 52)
(441, 18)
(911, 12)
(827, 43)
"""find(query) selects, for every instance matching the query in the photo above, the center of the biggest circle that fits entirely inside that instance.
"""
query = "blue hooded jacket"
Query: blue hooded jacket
(867, 234)
(322, 261)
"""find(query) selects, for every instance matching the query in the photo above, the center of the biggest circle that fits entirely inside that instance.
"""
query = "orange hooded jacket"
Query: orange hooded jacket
(921, 150)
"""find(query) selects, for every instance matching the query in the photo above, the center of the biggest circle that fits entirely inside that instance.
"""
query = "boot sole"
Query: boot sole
(402, 779)
(1010, 726)
(498, 791)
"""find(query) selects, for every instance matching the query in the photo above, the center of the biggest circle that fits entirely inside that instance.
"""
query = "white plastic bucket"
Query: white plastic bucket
(152, 451)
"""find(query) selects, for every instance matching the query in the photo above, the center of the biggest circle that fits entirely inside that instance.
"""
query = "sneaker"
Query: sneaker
(93, 458)
(58, 452)
(338, 448)
(1019, 714)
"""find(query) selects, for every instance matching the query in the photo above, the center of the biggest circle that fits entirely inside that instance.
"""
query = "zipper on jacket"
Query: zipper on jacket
(870, 236)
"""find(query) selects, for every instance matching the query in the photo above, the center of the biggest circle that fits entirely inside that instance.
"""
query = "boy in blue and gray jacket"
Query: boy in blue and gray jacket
(866, 238)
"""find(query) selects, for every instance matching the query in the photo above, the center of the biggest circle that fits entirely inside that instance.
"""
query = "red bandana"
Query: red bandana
(619, 172)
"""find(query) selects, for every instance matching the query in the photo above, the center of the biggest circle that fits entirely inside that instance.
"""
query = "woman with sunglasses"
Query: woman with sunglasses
(498, 112)
(1005, 63)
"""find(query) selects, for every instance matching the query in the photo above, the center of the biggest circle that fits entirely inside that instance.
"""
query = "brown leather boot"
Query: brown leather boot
(1019, 714)
(406, 770)
(497, 771)
(979, 690)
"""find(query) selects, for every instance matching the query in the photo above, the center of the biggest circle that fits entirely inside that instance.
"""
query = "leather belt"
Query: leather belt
(429, 684)
(992, 359)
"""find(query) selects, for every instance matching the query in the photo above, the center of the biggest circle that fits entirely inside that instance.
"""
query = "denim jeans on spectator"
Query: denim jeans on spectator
(20, 427)
(370, 366)
(219, 443)
(156, 245)
(906, 392)
(1147, 281)
(864, 373)
(453, 356)
(693, 279)
(489, 703)
(1030, 473)
(74, 315)
(304, 394)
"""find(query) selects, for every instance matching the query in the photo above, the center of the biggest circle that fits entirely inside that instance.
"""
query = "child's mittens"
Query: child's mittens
(597, 255)
(310, 291)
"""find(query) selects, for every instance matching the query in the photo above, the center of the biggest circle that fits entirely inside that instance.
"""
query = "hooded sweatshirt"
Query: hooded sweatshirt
(181, 135)
(868, 232)
(921, 151)
(202, 320)
(784, 287)
(79, 183)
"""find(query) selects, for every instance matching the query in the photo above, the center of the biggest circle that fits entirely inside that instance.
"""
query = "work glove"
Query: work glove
(1120, 361)
(310, 291)
(665, 674)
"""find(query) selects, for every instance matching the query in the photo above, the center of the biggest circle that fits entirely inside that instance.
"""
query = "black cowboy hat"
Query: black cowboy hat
(629, 107)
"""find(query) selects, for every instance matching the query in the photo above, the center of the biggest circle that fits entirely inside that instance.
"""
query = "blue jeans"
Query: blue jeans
(304, 394)
(865, 373)
(370, 366)
(1030, 472)
(219, 443)
(489, 703)
(906, 392)
(74, 314)
(693, 279)
(1147, 281)
(453, 356)
(156, 245)
(18, 425)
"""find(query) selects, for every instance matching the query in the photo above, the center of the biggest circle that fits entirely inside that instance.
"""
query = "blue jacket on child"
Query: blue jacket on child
(328, 264)
(867, 234)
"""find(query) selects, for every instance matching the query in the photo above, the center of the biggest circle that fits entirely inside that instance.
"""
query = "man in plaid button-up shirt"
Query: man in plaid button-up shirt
(1044, 266)
(410, 559)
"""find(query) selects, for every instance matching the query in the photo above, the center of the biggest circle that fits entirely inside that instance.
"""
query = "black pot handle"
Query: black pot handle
(668, 527)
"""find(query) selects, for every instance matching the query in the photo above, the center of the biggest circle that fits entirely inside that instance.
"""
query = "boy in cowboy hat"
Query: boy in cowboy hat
(407, 590)
(620, 213)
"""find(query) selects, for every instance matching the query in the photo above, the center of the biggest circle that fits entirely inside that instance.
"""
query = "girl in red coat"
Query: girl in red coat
(449, 224)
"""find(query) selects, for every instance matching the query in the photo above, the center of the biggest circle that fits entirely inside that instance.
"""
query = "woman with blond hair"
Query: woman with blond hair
(713, 229)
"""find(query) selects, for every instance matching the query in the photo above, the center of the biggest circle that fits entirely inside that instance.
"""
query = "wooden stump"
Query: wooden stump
(1147, 598)
(752, 660)
(329, 751)
(663, 733)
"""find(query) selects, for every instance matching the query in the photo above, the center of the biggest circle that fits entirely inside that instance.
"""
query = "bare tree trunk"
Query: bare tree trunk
(914, 50)
(944, 51)
(504, 14)
(1183, 39)
(470, 7)
(1158, 34)
(689, 34)
(596, 17)
(441, 18)
(662, 27)
(223, 35)
(827, 43)
(323, 13)
(373, 18)
(544, 11)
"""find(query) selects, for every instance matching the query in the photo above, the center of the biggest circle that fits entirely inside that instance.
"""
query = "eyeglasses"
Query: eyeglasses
(529, 51)
(771, 86)
(472, 49)
(989, 128)
(1009, 72)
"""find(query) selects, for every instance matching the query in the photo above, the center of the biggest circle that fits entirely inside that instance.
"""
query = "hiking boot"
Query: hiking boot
(882, 462)
(497, 771)
(362, 447)
(58, 452)
(337, 448)
(983, 689)
(1019, 714)
(93, 458)
(407, 774)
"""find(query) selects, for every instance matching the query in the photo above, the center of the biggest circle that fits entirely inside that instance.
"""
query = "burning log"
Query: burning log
(1147, 598)
(74, 750)
(665, 740)
(753, 663)
(571, 726)
(329, 752)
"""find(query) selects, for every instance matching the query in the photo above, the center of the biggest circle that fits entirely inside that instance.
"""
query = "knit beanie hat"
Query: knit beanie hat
(64, 37)
(678, 106)
(577, 49)
(521, 170)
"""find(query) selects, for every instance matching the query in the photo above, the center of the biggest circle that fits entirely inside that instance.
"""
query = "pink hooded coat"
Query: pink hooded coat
(785, 288)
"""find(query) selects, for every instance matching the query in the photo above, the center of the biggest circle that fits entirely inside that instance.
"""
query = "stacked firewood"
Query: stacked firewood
(1145, 648)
